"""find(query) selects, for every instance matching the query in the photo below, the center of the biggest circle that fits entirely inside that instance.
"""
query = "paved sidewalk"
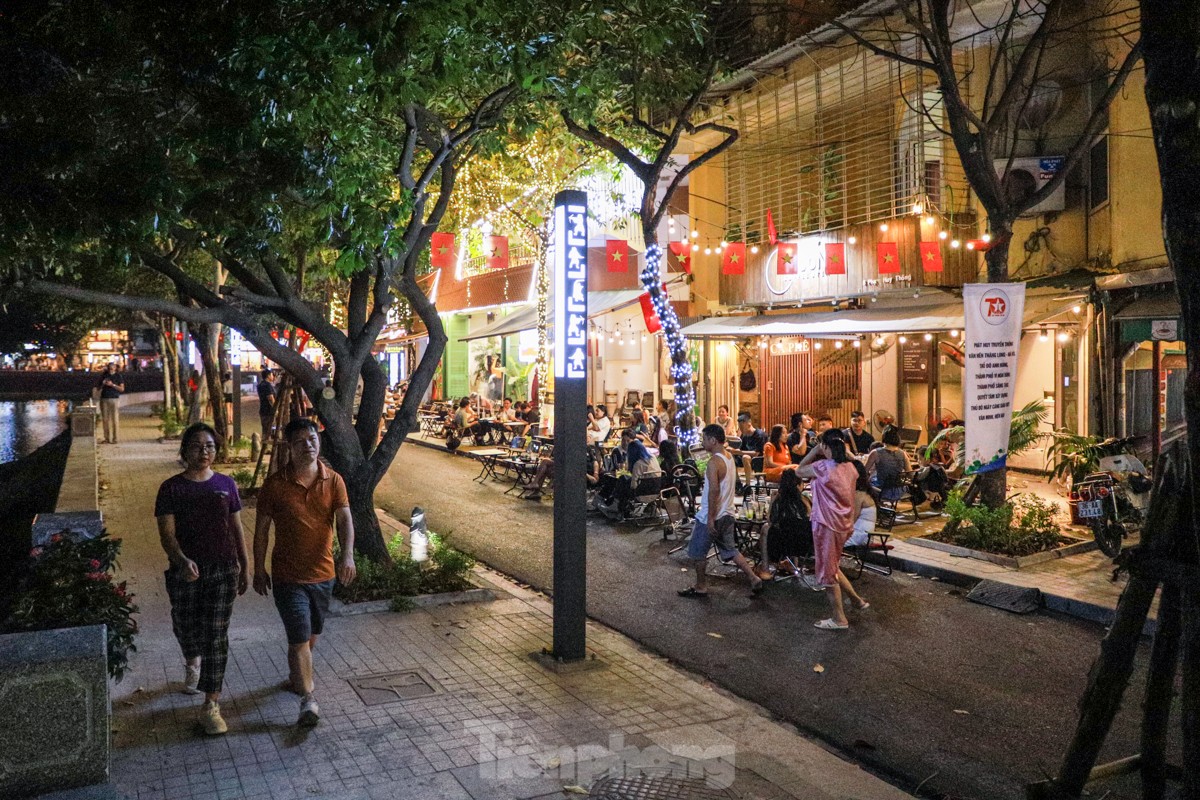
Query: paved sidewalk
(497, 725)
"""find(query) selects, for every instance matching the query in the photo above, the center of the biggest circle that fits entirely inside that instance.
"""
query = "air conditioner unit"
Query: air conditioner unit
(1029, 174)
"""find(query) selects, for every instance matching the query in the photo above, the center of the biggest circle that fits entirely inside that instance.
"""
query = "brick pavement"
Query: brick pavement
(499, 726)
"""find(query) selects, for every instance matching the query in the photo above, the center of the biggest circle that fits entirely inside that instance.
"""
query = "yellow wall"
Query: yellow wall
(706, 194)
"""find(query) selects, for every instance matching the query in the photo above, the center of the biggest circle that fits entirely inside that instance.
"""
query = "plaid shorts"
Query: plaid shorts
(200, 612)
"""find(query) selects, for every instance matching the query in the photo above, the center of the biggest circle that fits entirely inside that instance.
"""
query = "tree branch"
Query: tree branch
(128, 302)
(1016, 80)
(594, 135)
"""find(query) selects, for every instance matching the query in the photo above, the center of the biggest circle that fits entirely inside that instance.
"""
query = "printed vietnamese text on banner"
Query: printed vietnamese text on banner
(993, 314)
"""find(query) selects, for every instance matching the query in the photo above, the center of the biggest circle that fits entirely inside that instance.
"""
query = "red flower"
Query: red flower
(56, 538)
(97, 576)
(94, 564)
(36, 552)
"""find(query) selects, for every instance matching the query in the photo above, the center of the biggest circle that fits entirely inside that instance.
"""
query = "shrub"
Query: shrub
(243, 477)
(69, 584)
(1022, 527)
(173, 423)
(446, 571)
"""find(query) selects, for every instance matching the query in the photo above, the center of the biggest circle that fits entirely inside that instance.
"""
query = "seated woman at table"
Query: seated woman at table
(469, 423)
(788, 533)
(599, 424)
(885, 465)
(506, 413)
(776, 458)
(639, 427)
(865, 512)
(644, 477)
(727, 423)
(668, 456)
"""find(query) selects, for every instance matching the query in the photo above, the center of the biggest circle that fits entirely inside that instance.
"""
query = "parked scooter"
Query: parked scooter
(1113, 500)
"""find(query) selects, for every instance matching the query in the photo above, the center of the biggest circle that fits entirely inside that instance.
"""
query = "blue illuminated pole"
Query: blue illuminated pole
(570, 425)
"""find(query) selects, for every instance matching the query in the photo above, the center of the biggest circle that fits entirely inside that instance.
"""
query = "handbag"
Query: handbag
(453, 441)
(746, 381)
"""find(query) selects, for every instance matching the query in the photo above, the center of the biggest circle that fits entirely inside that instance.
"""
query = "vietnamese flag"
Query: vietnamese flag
(617, 255)
(835, 258)
(786, 262)
(771, 229)
(497, 252)
(683, 251)
(931, 256)
(887, 255)
(441, 250)
(653, 324)
(733, 260)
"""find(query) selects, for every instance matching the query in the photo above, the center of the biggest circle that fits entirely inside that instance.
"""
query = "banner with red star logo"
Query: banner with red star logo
(497, 252)
(683, 251)
(733, 260)
(835, 258)
(931, 256)
(786, 262)
(441, 250)
(617, 255)
(888, 257)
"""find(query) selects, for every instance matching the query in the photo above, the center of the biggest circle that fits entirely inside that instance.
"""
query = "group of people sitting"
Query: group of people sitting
(467, 421)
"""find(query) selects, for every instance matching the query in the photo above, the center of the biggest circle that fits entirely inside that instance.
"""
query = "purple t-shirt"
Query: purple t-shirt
(201, 510)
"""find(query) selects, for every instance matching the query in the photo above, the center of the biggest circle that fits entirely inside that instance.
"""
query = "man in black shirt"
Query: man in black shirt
(266, 402)
(112, 383)
(802, 437)
(857, 435)
(752, 443)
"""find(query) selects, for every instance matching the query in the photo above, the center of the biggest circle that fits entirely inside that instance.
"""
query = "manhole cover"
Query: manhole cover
(393, 687)
(646, 787)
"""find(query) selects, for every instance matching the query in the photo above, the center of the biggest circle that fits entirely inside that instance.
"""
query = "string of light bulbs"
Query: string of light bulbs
(681, 367)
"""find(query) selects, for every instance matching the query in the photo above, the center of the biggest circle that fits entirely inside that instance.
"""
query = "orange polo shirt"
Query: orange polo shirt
(304, 523)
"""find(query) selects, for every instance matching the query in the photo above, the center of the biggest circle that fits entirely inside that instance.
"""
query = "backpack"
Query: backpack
(452, 442)
(746, 381)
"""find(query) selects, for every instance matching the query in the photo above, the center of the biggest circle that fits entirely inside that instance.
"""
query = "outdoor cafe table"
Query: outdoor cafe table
(488, 459)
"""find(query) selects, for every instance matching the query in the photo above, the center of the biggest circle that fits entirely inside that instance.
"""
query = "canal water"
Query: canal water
(26, 425)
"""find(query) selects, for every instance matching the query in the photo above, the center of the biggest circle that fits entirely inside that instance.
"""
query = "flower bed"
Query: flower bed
(68, 584)
(448, 570)
(1022, 527)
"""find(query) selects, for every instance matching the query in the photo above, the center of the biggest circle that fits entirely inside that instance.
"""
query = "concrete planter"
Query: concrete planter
(479, 594)
(55, 705)
(1012, 562)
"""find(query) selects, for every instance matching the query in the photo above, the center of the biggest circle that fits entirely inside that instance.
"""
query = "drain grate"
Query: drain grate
(646, 787)
(394, 687)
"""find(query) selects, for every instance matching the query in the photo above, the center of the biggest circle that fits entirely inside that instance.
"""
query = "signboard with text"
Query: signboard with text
(570, 286)
(914, 360)
(993, 338)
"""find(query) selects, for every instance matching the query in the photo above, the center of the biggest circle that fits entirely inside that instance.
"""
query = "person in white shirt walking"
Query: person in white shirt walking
(714, 519)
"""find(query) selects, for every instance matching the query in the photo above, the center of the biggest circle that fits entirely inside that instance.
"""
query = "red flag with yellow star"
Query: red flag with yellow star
(931, 256)
(887, 256)
(441, 250)
(786, 262)
(683, 251)
(617, 255)
(835, 258)
(497, 252)
(733, 260)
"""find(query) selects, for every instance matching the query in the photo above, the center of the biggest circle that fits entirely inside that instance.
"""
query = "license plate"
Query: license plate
(1091, 508)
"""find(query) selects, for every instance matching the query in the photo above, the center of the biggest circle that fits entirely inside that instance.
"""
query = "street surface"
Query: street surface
(927, 689)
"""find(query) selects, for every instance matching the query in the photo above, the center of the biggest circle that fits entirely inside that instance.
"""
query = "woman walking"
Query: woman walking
(200, 526)
(834, 477)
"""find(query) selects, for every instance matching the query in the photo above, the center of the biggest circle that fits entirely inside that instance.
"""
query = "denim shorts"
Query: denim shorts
(302, 607)
(703, 537)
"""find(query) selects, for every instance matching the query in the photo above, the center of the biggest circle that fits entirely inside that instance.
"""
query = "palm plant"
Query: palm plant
(1023, 433)
(1075, 456)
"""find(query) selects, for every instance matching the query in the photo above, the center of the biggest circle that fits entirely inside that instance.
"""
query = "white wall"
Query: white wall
(879, 375)
(1035, 378)
(632, 366)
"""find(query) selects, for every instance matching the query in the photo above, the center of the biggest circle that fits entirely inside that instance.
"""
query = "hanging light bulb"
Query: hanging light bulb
(643, 337)
(717, 250)
(954, 242)
(695, 248)
(930, 220)
(883, 226)
(902, 339)
(695, 234)
(852, 239)
(943, 235)
(1063, 336)
(874, 298)
(708, 251)
(1043, 336)
(880, 341)
(857, 343)
(837, 344)
(970, 245)
(816, 345)
(1076, 309)
(929, 337)
(724, 243)
(918, 208)
(954, 333)
(753, 248)
(762, 341)
(987, 237)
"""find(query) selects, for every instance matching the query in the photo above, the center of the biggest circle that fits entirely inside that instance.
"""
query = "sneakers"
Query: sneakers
(191, 680)
(310, 713)
(211, 720)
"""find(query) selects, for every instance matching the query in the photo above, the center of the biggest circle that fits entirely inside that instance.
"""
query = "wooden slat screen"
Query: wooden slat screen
(825, 381)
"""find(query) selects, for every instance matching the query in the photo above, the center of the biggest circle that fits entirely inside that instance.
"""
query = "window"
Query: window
(1098, 173)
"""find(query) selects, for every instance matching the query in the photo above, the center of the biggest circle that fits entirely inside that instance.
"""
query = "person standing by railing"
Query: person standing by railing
(112, 384)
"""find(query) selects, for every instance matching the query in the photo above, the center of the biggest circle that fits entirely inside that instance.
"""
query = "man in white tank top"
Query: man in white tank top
(714, 519)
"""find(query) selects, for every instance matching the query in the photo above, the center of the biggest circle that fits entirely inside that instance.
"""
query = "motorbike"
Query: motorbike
(1112, 500)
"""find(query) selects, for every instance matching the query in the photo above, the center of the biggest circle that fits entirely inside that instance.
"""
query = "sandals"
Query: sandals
(830, 625)
(691, 592)
(755, 591)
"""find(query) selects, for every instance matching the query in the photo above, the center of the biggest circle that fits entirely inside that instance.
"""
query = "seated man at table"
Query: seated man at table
(824, 423)
(506, 413)
(644, 477)
(752, 443)
(801, 437)
(858, 437)
(469, 423)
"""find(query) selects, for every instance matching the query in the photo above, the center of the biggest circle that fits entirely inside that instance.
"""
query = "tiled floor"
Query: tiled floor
(500, 725)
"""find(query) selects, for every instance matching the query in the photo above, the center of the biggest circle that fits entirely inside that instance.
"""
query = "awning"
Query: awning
(1154, 317)
(523, 319)
(914, 317)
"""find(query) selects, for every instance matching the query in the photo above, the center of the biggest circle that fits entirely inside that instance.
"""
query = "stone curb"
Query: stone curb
(481, 593)
(1012, 562)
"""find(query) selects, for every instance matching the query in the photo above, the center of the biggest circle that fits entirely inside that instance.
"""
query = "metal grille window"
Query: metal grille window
(839, 138)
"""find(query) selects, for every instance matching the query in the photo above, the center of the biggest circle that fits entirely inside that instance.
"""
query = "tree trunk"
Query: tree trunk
(206, 337)
(993, 485)
(681, 367)
(368, 536)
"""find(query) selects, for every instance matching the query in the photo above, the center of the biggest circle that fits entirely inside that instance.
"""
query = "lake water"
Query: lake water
(26, 425)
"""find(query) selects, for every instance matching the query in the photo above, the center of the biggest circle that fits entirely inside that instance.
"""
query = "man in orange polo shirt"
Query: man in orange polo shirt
(305, 500)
